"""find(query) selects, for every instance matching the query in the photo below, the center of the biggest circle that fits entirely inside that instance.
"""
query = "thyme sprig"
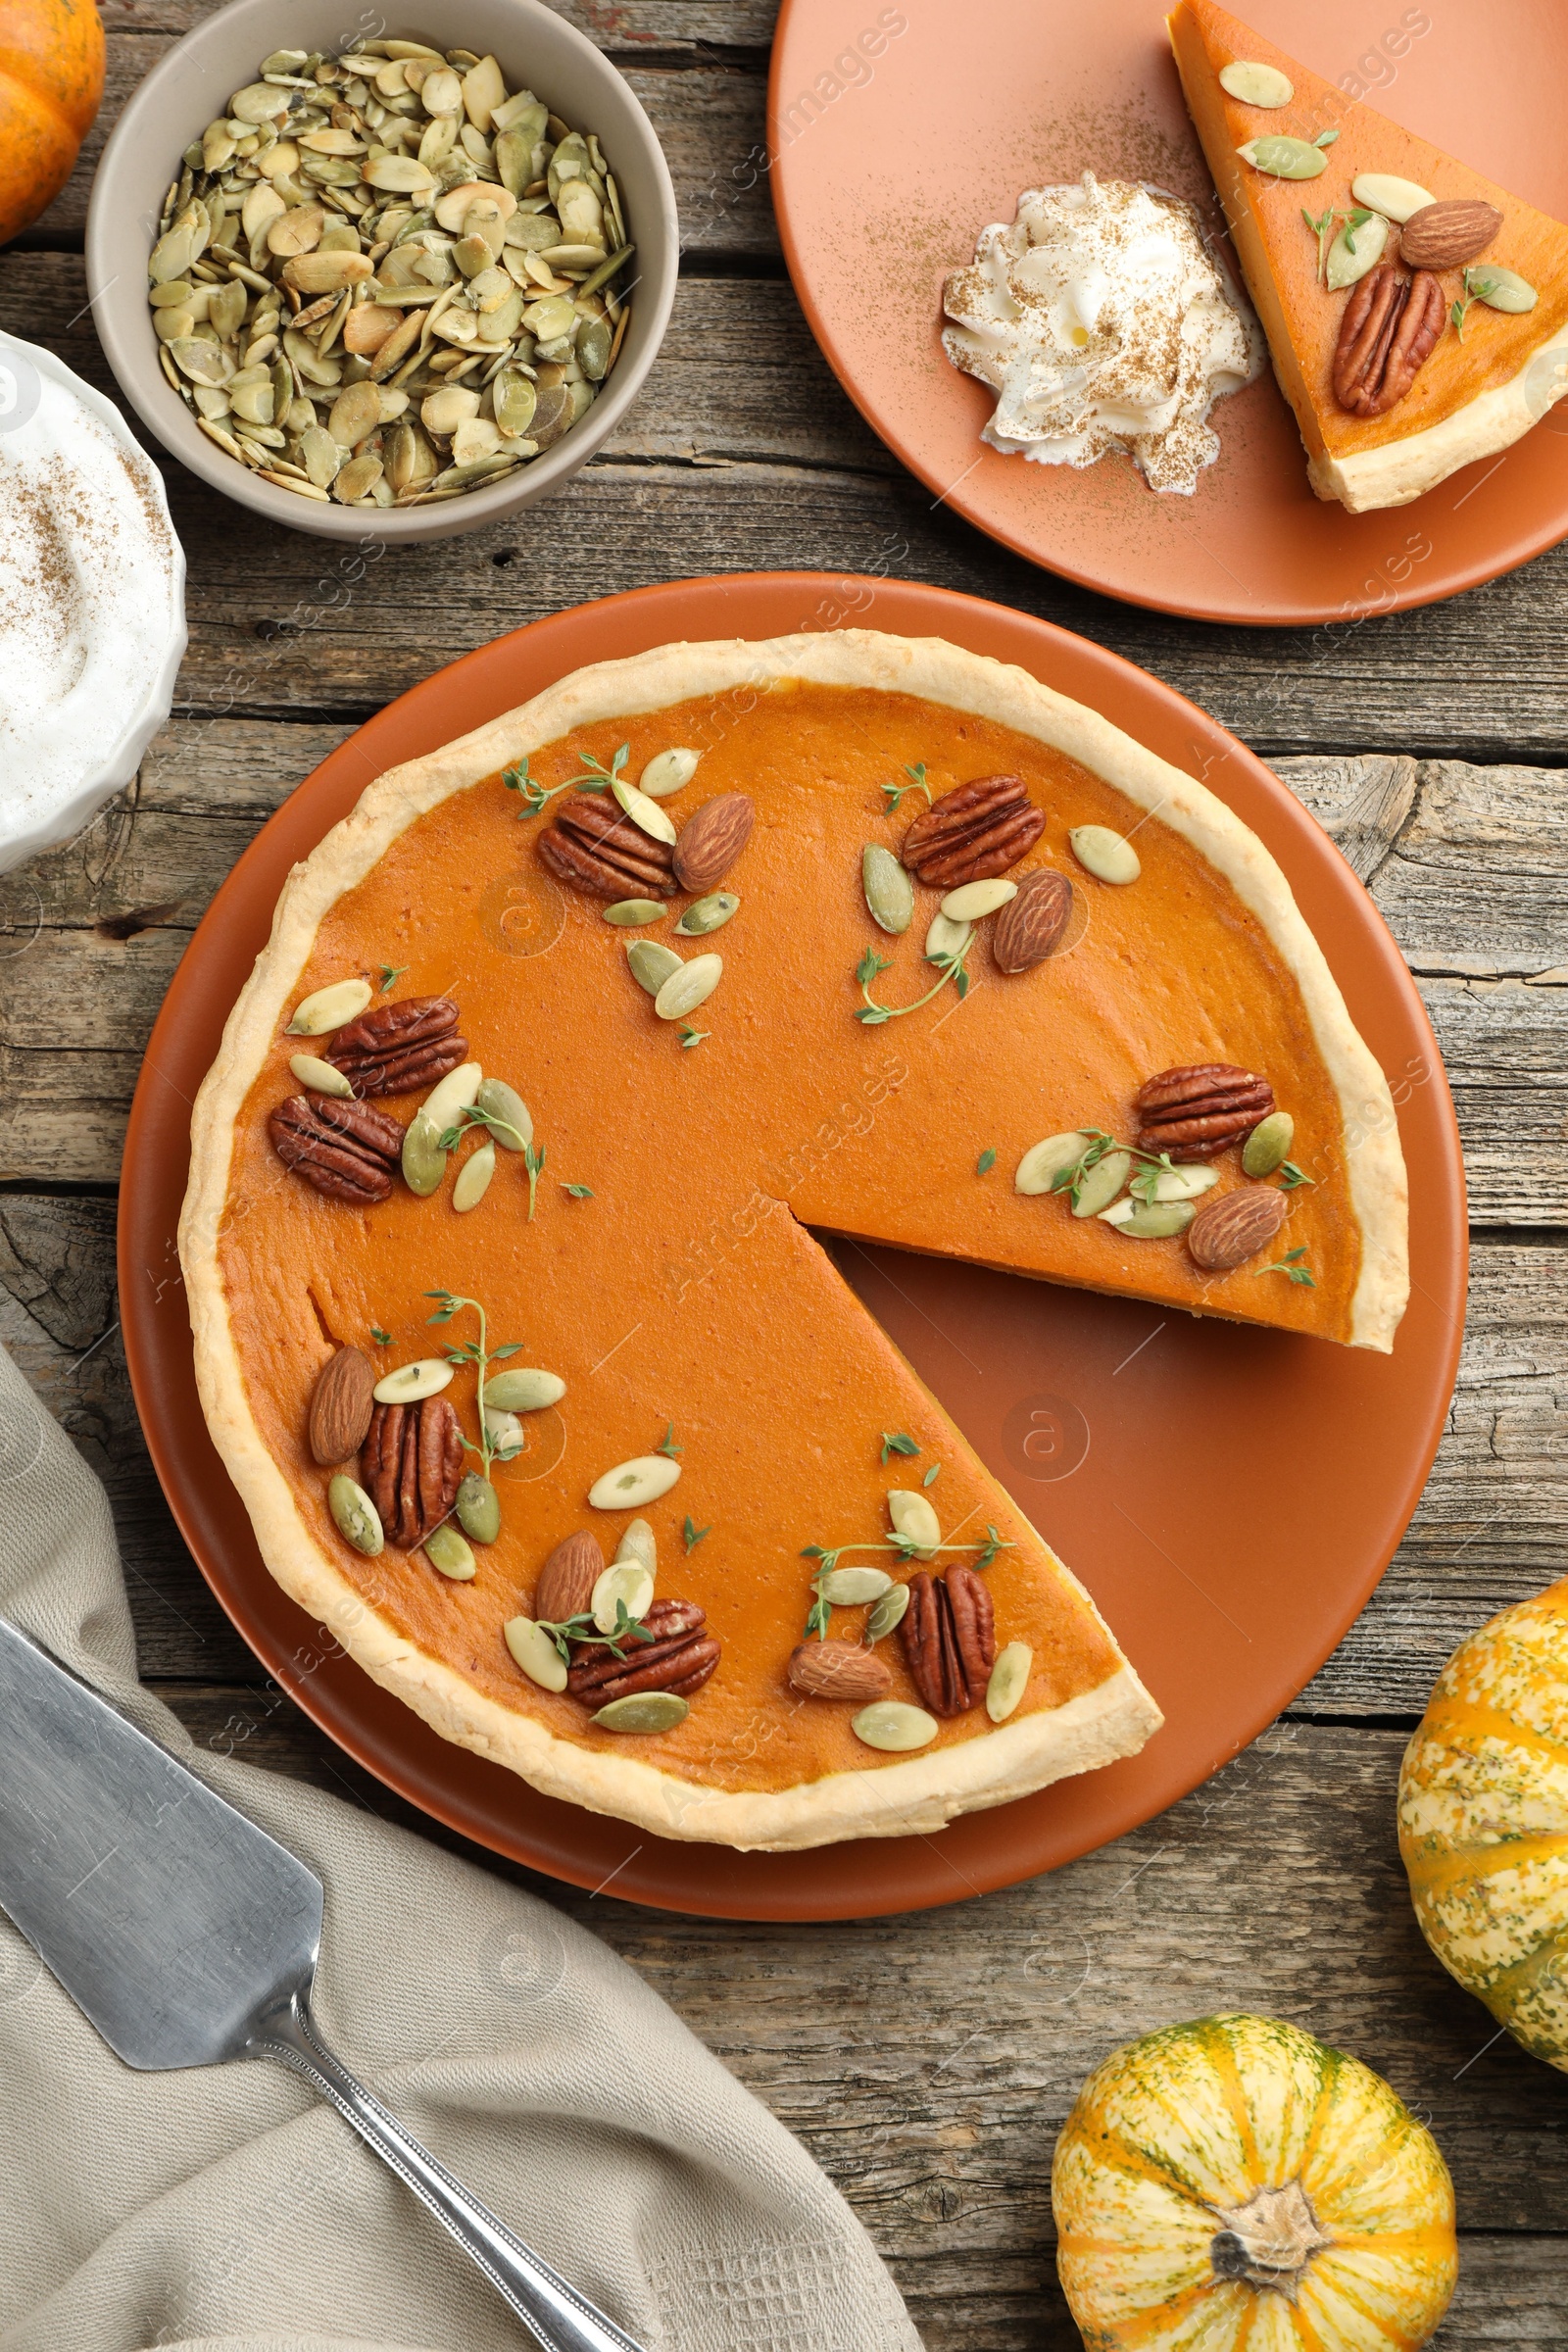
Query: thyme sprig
(534, 1162)
(584, 1631)
(918, 783)
(1292, 1266)
(481, 1355)
(389, 972)
(474, 1116)
(821, 1612)
(898, 1440)
(593, 777)
(873, 966)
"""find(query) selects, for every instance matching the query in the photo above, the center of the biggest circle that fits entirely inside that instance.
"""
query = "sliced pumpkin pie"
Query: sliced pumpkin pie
(508, 1322)
(1416, 313)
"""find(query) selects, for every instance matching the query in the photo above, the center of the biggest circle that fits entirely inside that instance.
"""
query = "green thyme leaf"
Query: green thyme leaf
(383, 1339)
(690, 1036)
(694, 1534)
(389, 973)
(897, 1441)
(578, 1191)
(1325, 139)
(669, 1446)
(1290, 1176)
(932, 1475)
(986, 1162)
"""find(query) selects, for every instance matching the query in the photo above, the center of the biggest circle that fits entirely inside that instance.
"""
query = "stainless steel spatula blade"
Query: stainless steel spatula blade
(167, 1916)
(189, 1937)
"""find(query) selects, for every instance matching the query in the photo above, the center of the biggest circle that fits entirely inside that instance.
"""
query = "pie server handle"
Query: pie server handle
(561, 2319)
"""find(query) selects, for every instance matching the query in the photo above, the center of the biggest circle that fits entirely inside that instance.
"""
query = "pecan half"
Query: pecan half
(411, 1467)
(1201, 1110)
(949, 1643)
(594, 846)
(1232, 1227)
(680, 1658)
(346, 1149)
(399, 1049)
(973, 832)
(1389, 326)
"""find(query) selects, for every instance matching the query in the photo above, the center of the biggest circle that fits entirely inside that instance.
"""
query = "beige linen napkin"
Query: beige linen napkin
(227, 2210)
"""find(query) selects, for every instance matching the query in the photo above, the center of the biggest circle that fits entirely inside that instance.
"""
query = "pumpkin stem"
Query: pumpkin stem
(1269, 2240)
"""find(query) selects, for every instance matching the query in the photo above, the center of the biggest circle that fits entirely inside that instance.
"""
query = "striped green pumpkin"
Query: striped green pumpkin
(1484, 1820)
(1234, 2186)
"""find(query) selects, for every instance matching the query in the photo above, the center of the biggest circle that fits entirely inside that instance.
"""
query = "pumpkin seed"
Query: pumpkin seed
(478, 1508)
(1184, 1183)
(947, 938)
(1284, 158)
(972, 900)
(889, 889)
(637, 1543)
(504, 1431)
(1500, 289)
(894, 1727)
(329, 1008)
(644, 1711)
(355, 1515)
(427, 1376)
(624, 1585)
(1044, 1162)
(445, 1550)
(653, 964)
(1149, 1221)
(515, 400)
(524, 1391)
(887, 1614)
(708, 915)
(688, 988)
(534, 1651)
(1009, 1675)
(852, 1588)
(473, 1179)
(1268, 1145)
(516, 1130)
(1355, 251)
(455, 1093)
(1254, 86)
(914, 1518)
(1105, 854)
(1398, 199)
(1099, 1186)
(631, 1483)
(424, 1164)
(644, 813)
(668, 772)
(320, 1076)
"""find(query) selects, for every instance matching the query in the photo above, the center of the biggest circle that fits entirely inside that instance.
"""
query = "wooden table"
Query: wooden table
(927, 2062)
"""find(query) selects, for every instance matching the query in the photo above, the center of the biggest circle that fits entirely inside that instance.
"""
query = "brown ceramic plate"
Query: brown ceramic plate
(1230, 1497)
(883, 188)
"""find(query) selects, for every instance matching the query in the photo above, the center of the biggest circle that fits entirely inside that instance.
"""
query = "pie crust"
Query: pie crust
(1101, 1710)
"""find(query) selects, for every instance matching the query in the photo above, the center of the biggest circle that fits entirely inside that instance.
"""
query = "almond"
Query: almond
(839, 1670)
(1443, 237)
(566, 1581)
(1232, 1227)
(341, 1405)
(1031, 925)
(712, 840)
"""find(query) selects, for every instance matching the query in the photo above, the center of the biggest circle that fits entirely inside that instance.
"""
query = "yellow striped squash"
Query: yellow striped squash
(1484, 1820)
(1234, 2186)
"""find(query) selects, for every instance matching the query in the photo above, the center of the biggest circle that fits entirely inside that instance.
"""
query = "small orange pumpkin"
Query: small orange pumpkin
(51, 84)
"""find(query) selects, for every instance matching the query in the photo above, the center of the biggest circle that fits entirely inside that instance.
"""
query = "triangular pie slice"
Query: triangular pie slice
(654, 1256)
(1492, 373)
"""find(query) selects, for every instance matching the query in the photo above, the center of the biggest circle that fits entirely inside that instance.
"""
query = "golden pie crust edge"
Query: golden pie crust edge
(920, 1793)
(1401, 471)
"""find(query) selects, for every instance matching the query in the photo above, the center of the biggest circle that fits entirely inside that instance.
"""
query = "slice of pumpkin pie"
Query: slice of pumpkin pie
(1417, 314)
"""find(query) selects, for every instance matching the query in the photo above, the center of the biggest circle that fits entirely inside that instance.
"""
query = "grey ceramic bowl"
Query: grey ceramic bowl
(194, 83)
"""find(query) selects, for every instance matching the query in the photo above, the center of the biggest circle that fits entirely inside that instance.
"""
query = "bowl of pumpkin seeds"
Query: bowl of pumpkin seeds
(384, 284)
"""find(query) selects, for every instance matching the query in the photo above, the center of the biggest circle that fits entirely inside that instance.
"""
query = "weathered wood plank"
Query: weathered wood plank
(1489, 1528)
(707, 112)
(932, 2084)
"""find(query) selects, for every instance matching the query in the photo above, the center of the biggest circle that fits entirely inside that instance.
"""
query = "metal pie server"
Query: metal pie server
(189, 1937)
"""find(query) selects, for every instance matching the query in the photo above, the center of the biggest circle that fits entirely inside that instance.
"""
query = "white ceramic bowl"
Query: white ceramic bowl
(194, 83)
(39, 810)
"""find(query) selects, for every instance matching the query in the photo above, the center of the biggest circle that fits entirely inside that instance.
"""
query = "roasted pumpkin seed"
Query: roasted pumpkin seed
(445, 1550)
(525, 1390)
(644, 1711)
(895, 1726)
(1009, 1675)
(425, 1377)
(534, 1651)
(320, 1076)
(507, 1114)
(631, 1483)
(707, 915)
(668, 772)
(329, 1008)
(889, 889)
(355, 1515)
(478, 1508)
(630, 914)
(1268, 1145)
(1044, 1162)
(653, 964)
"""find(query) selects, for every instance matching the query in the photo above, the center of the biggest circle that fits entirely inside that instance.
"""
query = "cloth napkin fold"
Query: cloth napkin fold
(227, 2209)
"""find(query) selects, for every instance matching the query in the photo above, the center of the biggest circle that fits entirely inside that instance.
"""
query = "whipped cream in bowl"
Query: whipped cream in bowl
(92, 601)
(1102, 323)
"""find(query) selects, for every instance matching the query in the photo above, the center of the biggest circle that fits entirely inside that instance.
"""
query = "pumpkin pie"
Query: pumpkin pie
(1416, 313)
(712, 1559)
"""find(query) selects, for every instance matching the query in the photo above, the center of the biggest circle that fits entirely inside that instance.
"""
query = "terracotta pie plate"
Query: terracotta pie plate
(882, 188)
(1213, 1484)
